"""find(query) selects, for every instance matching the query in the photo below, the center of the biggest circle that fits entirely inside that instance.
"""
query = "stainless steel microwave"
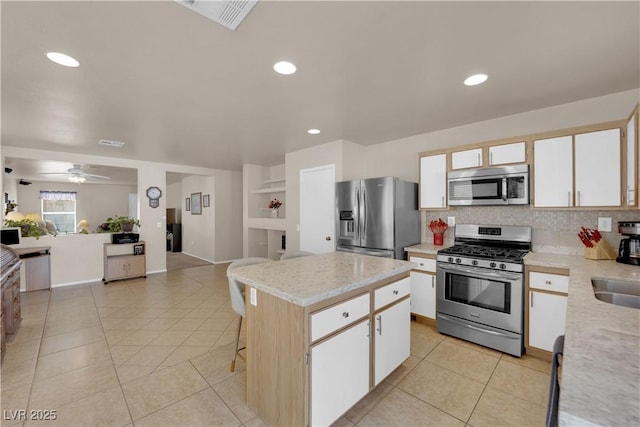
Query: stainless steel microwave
(504, 185)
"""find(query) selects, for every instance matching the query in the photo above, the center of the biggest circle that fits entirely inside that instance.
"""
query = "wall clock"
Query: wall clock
(154, 194)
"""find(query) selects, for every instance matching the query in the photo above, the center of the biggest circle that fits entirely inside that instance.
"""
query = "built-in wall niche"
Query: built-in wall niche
(266, 243)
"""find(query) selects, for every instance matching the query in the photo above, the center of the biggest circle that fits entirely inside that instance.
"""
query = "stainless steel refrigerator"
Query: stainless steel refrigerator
(377, 216)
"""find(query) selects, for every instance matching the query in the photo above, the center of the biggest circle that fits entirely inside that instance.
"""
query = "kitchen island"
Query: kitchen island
(600, 382)
(322, 331)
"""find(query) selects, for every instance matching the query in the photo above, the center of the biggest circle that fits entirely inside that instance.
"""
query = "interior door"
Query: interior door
(317, 209)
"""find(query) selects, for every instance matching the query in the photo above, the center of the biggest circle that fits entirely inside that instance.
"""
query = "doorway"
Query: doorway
(317, 209)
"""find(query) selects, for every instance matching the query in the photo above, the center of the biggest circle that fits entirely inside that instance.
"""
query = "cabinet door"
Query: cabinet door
(433, 181)
(392, 342)
(632, 167)
(597, 160)
(547, 315)
(423, 294)
(340, 361)
(507, 153)
(553, 172)
(136, 266)
(116, 268)
(466, 159)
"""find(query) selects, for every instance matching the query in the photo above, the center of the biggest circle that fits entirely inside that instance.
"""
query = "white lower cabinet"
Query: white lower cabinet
(423, 294)
(547, 317)
(339, 373)
(392, 339)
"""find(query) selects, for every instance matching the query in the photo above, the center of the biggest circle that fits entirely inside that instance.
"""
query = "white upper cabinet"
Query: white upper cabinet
(631, 195)
(433, 181)
(508, 153)
(597, 160)
(553, 172)
(466, 159)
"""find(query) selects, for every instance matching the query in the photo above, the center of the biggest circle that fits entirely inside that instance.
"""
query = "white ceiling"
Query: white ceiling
(179, 88)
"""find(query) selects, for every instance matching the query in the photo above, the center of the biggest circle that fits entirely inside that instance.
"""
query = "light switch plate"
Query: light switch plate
(604, 224)
(451, 221)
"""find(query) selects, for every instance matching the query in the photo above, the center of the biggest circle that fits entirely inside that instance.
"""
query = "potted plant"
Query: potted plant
(119, 223)
(28, 227)
(274, 205)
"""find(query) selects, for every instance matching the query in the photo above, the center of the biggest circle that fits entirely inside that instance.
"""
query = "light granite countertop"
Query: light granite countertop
(601, 364)
(428, 248)
(307, 280)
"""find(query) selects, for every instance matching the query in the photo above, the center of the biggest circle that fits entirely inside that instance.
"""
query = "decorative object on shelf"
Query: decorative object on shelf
(438, 228)
(11, 205)
(205, 201)
(187, 204)
(154, 194)
(196, 203)
(595, 247)
(119, 223)
(274, 205)
(83, 226)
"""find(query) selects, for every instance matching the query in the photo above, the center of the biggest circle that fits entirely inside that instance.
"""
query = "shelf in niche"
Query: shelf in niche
(269, 190)
(273, 181)
(267, 223)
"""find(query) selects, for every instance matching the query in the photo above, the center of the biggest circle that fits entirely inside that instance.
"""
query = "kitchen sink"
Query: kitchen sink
(618, 292)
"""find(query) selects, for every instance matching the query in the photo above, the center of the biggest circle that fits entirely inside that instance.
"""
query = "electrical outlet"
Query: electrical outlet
(451, 220)
(604, 224)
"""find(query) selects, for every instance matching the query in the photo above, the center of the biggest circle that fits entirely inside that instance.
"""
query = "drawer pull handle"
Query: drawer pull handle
(345, 314)
(421, 264)
(548, 282)
(395, 292)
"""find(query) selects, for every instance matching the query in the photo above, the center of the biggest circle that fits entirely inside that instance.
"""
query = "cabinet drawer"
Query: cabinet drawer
(333, 318)
(549, 282)
(424, 264)
(392, 292)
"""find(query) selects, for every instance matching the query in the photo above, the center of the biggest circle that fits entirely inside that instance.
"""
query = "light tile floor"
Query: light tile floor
(156, 352)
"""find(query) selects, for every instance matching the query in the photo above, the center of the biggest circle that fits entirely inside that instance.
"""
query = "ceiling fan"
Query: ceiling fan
(77, 175)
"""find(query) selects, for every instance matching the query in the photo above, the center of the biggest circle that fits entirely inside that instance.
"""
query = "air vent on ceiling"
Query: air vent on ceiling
(228, 13)
(108, 143)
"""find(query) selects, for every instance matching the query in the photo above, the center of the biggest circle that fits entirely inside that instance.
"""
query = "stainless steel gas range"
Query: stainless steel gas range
(480, 286)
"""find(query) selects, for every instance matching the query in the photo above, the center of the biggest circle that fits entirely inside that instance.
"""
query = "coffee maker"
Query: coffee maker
(629, 251)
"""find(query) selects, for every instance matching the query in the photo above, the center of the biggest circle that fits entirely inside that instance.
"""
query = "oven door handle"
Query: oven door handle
(480, 273)
(475, 328)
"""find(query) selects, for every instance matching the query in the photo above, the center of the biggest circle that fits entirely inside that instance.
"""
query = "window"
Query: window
(59, 207)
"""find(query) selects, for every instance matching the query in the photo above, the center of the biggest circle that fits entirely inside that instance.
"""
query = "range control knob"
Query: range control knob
(503, 266)
(458, 261)
(474, 262)
(450, 259)
(492, 265)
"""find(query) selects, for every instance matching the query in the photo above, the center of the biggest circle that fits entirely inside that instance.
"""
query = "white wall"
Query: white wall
(199, 231)
(228, 215)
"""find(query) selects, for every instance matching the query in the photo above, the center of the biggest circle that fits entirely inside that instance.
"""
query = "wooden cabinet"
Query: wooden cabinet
(339, 373)
(508, 153)
(597, 162)
(595, 181)
(433, 181)
(35, 274)
(632, 159)
(546, 308)
(124, 261)
(423, 289)
(11, 307)
(309, 365)
(466, 159)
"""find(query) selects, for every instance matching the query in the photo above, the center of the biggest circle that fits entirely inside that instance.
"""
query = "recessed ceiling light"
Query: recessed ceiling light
(313, 131)
(62, 59)
(476, 79)
(284, 67)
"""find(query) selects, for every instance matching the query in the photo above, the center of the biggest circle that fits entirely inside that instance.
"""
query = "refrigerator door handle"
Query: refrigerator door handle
(363, 206)
(357, 216)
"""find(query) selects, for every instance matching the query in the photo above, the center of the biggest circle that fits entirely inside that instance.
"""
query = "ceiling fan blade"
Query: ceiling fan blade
(91, 175)
(53, 173)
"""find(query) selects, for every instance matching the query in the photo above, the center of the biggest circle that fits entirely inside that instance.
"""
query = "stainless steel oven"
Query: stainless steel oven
(480, 286)
(481, 306)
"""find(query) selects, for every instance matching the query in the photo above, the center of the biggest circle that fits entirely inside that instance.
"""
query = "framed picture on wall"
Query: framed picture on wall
(196, 203)
(205, 201)
(187, 204)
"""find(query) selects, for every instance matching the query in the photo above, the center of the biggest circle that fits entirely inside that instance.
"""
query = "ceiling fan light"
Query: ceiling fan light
(77, 179)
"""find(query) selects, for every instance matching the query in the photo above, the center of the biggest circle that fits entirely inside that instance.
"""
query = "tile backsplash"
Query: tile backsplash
(553, 231)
